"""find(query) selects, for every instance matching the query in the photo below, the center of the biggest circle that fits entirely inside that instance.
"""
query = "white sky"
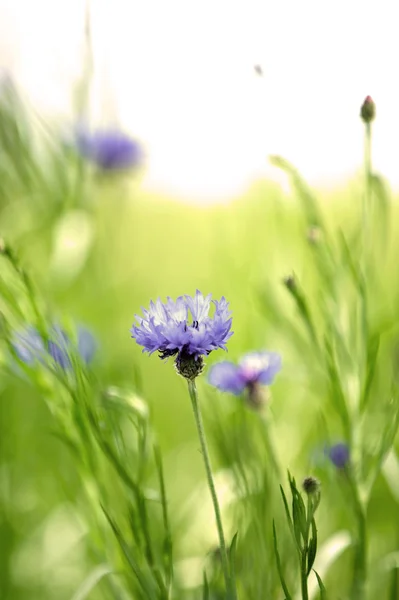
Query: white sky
(179, 75)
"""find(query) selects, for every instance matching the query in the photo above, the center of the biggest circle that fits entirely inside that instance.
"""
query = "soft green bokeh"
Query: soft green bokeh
(99, 255)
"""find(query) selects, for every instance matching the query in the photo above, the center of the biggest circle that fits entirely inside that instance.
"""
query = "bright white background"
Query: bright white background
(179, 74)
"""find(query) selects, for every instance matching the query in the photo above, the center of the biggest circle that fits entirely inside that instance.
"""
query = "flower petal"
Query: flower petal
(339, 455)
(86, 344)
(260, 367)
(199, 306)
(225, 376)
(177, 310)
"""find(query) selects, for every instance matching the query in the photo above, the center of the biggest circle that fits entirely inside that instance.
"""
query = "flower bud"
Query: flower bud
(367, 111)
(311, 485)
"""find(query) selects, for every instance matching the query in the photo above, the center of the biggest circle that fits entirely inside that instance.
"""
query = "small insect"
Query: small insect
(258, 70)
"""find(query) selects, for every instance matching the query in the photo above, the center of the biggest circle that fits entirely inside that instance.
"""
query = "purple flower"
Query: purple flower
(253, 369)
(183, 327)
(339, 455)
(109, 149)
(30, 346)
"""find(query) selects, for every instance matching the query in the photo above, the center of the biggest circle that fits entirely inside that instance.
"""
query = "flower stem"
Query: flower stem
(304, 576)
(305, 550)
(359, 583)
(230, 587)
(360, 566)
(367, 195)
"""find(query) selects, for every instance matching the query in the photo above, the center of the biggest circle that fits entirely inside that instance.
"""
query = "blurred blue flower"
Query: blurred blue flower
(30, 346)
(339, 455)
(109, 149)
(183, 327)
(254, 369)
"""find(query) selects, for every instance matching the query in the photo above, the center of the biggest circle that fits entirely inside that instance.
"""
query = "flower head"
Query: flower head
(339, 455)
(109, 149)
(183, 327)
(253, 370)
(30, 346)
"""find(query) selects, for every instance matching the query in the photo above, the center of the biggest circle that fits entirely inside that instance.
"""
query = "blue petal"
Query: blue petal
(109, 149)
(199, 306)
(87, 344)
(339, 455)
(260, 367)
(165, 326)
(28, 345)
(176, 335)
(59, 354)
(178, 310)
(200, 340)
(225, 376)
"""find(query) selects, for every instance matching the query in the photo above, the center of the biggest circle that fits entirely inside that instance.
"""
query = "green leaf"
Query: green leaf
(303, 308)
(167, 542)
(336, 387)
(287, 510)
(309, 202)
(133, 564)
(91, 581)
(278, 561)
(394, 585)
(298, 514)
(232, 555)
(205, 588)
(371, 362)
(354, 266)
(312, 550)
(323, 591)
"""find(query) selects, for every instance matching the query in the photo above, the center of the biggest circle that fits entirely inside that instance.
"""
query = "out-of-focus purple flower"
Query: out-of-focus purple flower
(30, 346)
(339, 455)
(109, 149)
(183, 327)
(254, 369)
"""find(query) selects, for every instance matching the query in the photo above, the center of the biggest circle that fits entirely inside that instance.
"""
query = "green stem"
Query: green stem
(304, 575)
(360, 567)
(367, 197)
(359, 583)
(168, 545)
(192, 388)
(367, 241)
(305, 549)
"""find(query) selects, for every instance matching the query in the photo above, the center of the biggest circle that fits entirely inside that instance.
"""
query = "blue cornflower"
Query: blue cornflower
(30, 346)
(253, 370)
(184, 328)
(339, 455)
(109, 149)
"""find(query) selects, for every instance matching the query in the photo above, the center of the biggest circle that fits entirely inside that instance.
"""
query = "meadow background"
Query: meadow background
(98, 246)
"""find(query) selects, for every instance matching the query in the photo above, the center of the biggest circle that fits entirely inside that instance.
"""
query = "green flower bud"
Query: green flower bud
(189, 366)
(367, 111)
(311, 485)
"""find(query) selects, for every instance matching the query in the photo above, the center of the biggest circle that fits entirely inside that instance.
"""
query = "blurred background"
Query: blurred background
(208, 90)
(180, 76)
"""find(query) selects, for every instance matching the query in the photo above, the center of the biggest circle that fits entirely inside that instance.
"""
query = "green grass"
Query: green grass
(64, 457)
